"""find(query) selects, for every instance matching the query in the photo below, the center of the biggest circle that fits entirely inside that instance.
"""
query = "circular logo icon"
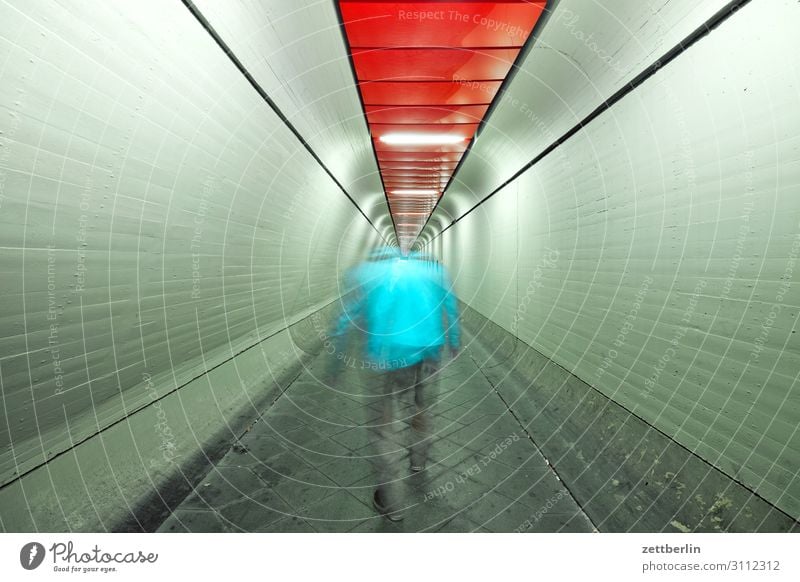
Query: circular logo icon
(31, 555)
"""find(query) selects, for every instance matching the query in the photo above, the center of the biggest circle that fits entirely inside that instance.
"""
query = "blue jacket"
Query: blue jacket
(405, 306)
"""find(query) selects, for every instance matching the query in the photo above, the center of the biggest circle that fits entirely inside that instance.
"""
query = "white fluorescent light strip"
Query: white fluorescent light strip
(421, 138)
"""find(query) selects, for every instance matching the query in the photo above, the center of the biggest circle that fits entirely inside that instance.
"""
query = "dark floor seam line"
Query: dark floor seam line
(650, 426)
(533, 442)
(704, 29)
(268, 100)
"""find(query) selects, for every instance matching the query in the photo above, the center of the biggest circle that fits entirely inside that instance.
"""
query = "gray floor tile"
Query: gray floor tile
(193, 521)
(322, 452)
(348, 470)
(275, 423)
(354, 439)
(255, 512)
(379, 524)
(328, 428)
(537, 490)
(301, 437)
(432, 516)
(306, 488)
(450, 489)
(339, 512)
(223, 485)
(253, 450)
(458, 524)
(292, 524)
(547, 523)
(451, 413)
(477, 438)
(280, 467)
(497, 513)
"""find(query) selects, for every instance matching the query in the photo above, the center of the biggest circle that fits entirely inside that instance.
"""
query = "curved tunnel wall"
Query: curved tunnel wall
(158, 218)
(654, 254)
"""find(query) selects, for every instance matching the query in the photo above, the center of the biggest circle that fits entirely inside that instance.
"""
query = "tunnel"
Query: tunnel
(608, 192)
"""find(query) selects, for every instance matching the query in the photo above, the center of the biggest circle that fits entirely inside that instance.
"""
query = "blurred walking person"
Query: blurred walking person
(407, 311)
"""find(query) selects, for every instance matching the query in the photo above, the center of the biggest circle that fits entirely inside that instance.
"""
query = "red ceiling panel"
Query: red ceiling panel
(428, 93)
(391, 181)
(420, 182)
(411, 184)
(397, 190)
(408, 199)
(394, 172)
(432, 64)
(397, 185)
(431, 114)
(462, 129)
(436, 24)
(418, 178)
(419, 166)
(427, 69)
(394, 156)
(406, 180)
(397, 175)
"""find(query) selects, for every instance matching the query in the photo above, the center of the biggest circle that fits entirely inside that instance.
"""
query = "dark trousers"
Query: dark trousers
(404, 425)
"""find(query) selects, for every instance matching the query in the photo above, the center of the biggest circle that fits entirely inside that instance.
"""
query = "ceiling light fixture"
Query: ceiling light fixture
(421, 138)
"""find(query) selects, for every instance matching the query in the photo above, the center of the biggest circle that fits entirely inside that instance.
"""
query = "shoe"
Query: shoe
(377, 501)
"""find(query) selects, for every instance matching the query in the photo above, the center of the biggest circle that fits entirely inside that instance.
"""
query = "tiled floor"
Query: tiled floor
(305, 466)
